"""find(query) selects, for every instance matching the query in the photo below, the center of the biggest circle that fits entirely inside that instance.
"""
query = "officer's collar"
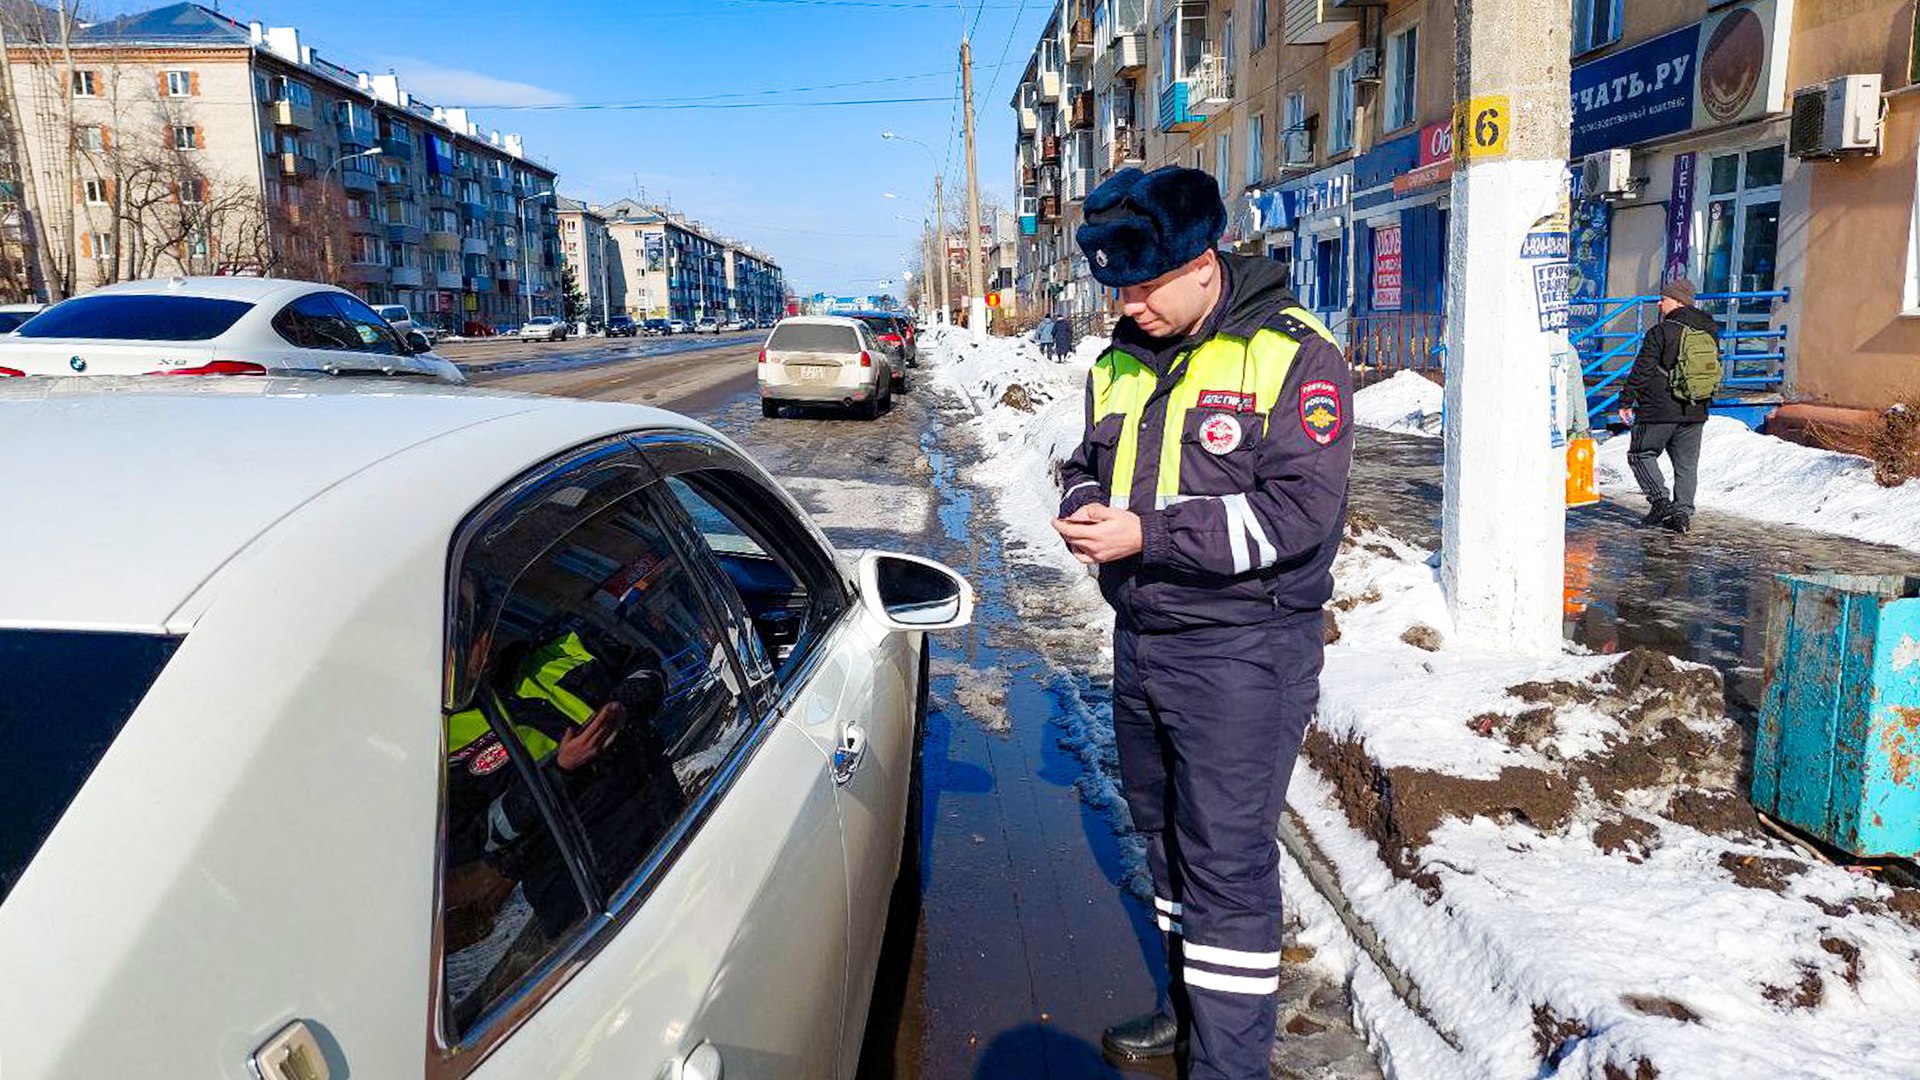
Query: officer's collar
(1157, 353)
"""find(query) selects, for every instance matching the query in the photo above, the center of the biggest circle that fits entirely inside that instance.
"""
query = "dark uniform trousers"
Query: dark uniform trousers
(1207, 723)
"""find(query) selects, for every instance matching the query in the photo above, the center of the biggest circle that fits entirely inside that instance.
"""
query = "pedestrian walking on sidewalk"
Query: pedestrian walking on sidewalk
(1062, 337)
(1665, 414)
(1210, 489)
(1043, 334)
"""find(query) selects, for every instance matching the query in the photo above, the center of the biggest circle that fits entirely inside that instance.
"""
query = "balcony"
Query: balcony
(358, 180)
(1128, 53)
(1127, 149)
(1080, 38)
(1174, 114)
(394, 180)
(1050, 149)
(474, 245)
(402, 232)
(1210, 87)
(1083, 110)
(288, 114)
(442, 239)
(1029, 175)
(399, 149)
(1029, 119)
(354, 138)
(1316, 22)
(364, 226)
(476, 283)
(1050, 85)
(407, 277)
(1079, 182)
(297, 167)
(447, 279)
(505, 215)
(364, 274)
(1049, 208)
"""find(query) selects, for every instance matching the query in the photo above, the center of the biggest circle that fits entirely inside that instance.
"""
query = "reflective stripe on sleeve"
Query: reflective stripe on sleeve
(1202, 979)
(1252, 961)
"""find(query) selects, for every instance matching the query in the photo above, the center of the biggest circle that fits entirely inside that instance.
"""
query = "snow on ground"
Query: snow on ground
(1539, 951)
(1758, 476)
(1408, 403)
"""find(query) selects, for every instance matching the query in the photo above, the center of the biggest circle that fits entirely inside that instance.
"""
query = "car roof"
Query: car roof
(251, 289)
(821, 320)
(125, 495)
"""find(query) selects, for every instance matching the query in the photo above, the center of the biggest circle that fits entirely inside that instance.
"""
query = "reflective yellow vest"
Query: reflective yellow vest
(1122, 386)
(540, 678)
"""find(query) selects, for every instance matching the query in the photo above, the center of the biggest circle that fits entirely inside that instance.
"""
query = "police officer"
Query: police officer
(1210, 489)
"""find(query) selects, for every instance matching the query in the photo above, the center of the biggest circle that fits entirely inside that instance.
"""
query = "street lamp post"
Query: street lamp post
(326, 239)
(525, 286)
(940, 215)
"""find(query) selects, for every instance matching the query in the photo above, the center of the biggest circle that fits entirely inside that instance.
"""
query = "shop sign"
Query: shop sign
(1436, 144)
(1387, 269)
(1729, 67)
(1680, 215)
(1324, 196)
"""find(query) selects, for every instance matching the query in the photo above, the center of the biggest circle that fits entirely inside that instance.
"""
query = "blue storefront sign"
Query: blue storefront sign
(1592, 221)
(1637, 94)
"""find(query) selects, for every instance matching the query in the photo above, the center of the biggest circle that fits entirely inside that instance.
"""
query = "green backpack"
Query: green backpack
(1695, 376)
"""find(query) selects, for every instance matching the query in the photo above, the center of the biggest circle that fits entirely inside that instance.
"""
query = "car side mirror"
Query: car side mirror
(417, 343)
(906, 592)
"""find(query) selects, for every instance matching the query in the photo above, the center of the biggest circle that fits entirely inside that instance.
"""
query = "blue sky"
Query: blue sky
(804, 183)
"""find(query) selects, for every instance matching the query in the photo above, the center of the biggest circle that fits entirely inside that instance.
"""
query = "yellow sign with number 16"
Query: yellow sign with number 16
(1480, 127)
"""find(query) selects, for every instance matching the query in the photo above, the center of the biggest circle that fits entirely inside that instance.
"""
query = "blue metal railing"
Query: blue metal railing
(1753, 352)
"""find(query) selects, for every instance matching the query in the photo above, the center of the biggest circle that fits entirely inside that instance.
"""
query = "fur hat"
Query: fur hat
(1141, 225)
(1679, 290)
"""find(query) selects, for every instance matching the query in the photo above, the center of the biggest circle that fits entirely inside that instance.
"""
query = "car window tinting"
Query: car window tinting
(127, 317)
(9, 320)
(608, 703)
(376, 335)
(64, 696)
(814, 337)
(314, 321)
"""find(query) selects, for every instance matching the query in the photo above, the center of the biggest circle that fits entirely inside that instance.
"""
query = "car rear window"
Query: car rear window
(137, 318)
(814, 337)
(11, 319)
(64, 695)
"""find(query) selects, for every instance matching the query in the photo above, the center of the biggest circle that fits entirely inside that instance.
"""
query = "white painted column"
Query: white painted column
(1504, 524)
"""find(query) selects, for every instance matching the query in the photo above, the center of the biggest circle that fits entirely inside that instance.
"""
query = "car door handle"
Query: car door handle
(851, 751)
(703, 1064)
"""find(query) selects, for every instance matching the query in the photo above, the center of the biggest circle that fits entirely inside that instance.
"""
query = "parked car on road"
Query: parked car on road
(708, 325)
(890, 331)
(677, 326)
(825, 360)
(656, 328)
(621, 326)
(374, 722)
(12, 315)
(397, 316)
(217, 326)
(543, 328)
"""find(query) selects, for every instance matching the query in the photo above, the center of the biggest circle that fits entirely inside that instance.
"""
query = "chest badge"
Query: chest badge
(1220, 434)
(488, 760)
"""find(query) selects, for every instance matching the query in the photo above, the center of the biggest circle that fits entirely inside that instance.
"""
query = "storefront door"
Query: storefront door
(1742, 225)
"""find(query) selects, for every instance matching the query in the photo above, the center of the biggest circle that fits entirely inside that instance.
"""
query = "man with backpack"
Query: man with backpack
(1665, 402)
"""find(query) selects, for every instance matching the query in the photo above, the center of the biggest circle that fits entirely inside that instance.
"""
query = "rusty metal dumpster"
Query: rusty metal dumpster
(1837, 754)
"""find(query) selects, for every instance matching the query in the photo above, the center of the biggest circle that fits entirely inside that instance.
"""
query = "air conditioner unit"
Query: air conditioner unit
(1607, 174)
(1841, 116)
(1366, 66)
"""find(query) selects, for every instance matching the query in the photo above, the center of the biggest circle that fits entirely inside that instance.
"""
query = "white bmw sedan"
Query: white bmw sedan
(218, 326)
(436, 734)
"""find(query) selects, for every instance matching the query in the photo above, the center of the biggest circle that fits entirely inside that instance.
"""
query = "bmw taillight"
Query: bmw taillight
(865, 360)
(12, 373)
(216, 367)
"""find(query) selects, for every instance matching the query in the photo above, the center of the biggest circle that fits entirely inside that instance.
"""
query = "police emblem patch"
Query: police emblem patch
(488, 760)
(1220, 434)
(1320, 411)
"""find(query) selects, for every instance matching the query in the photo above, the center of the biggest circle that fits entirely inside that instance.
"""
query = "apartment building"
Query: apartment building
(190, 143)
(588, 247)
(677, 269)
(1328, 125)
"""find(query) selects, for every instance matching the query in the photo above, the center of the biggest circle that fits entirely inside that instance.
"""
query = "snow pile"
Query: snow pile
(1758, 476)
(1408, 403)
(1556, 851)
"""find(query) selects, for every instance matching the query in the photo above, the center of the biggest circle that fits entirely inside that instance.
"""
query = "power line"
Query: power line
(1005, 47)
(620, 106)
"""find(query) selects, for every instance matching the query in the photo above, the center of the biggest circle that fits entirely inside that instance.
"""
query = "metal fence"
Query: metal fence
(1753, 351)
(1379, 346)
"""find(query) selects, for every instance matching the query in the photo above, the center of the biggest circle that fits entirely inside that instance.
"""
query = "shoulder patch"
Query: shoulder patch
(1320, 415)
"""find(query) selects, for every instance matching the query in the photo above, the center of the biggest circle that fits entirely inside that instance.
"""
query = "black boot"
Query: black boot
(1657, 513)
(1678, 521)
(1151, 1036)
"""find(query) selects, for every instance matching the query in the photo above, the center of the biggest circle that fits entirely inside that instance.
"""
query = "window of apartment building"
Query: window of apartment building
(1596, 23)
(1259, 25)
(1223, 161)
(1256, 149)
(193, 189)
(180, 83)
(1910, 292)
(1227, 42)
(96, 192)
(91, 137)
(1340, 109)
(96, 245)
(357, 207)
(187, 137)
(85, 83)
(197, 243)
(364, 250)
(1403, 51)
(292, 90)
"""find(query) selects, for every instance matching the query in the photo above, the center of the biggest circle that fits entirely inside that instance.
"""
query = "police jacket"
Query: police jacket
(1233, 446)
(1649, 389)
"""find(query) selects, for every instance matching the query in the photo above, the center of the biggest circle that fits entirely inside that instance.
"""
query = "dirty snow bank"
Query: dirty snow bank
(1408, 403)
(1553, 850)
(1758, 476)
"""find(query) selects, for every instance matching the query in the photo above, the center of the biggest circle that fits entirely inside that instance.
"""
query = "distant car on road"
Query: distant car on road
(708, 325)
(438, 734)
(218, 326)
(12, 315)
(825, 360)
(656, 328)
(543, 328)
(622, 326)
(677, 326)
(398, 317)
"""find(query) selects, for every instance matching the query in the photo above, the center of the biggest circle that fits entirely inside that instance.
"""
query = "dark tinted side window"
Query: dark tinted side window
(607, 704)
(814, 337)
(64, 696)
(314, 321)
(137, 318)
(375, 333)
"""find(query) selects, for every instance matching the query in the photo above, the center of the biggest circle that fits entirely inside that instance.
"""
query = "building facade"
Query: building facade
(1328, 125)
(588, 247)
(195, 144)
(676, 269)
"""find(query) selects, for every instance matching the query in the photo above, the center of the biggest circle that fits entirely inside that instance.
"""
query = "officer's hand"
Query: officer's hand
(1100, 534)
(582, 744)
(1626, 417)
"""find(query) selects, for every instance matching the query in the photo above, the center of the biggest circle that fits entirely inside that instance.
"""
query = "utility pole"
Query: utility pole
(940, 211)
(1503, 554)
(976, 282)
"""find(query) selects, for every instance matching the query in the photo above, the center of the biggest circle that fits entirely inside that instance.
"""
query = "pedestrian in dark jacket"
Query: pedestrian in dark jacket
(1210, 488)
(1062, 337)
(1662, 422)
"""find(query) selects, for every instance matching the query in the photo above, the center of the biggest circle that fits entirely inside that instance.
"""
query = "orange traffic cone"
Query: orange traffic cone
(1581, 488)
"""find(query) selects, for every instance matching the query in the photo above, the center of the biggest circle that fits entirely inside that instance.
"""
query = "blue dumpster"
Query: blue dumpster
(1838, 750)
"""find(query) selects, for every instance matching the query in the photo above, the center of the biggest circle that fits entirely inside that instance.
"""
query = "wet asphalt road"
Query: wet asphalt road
(1019, 942)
